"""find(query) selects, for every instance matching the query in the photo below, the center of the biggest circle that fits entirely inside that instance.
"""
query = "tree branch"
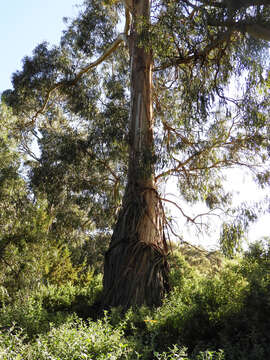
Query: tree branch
(238, 4)
(221, 38)
(256, 30)
(235, 4)
(121, 37)
(128, 4)
(105, 164)
(179, 208)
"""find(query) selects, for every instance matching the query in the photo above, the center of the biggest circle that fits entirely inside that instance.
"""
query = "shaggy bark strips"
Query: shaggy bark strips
(136, 269)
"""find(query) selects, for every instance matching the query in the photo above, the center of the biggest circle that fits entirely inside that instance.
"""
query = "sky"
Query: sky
(245, 190)
(26, 23)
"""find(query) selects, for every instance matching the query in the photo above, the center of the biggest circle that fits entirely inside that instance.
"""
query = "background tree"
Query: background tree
(23, 221)
(186, 117)
(37, 246)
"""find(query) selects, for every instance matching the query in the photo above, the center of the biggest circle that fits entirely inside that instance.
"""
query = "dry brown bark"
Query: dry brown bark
(136, 269)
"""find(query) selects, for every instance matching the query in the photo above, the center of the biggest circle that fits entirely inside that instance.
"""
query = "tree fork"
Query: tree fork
(136, 268)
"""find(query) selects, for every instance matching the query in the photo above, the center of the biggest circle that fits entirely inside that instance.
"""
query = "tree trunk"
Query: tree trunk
(136, 269)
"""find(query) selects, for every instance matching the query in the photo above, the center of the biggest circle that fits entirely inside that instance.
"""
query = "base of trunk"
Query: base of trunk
(136, 269)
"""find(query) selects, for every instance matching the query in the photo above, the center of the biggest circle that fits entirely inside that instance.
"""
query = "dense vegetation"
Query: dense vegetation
(89, 135)
(51, 281)
(217, 309)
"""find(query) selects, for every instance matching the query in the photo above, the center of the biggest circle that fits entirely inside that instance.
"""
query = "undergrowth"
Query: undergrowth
(217, 309)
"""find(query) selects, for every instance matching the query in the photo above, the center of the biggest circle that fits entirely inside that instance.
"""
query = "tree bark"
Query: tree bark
(136, 269)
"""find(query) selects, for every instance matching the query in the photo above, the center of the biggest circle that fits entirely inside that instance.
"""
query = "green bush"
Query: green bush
(213, 305)
(180, 353)
(72, 340)
(228, 310)
(12, 346)
(33, 312)
(29, 315)
(62, 297)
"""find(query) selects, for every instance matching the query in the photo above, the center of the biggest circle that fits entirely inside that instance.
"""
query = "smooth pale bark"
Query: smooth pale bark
(135, 270)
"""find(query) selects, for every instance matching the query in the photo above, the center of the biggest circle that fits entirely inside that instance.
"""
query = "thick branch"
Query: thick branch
(221, 38)
(128, 4)
(238, 4)
(234, 4)
(121, 37)
(256, 30)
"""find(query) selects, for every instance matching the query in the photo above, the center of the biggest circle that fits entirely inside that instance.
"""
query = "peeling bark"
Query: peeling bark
(136, 269)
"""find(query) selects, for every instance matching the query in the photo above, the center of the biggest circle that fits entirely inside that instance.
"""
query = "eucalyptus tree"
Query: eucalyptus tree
(173, 67)
(22, 222)
(16, 207)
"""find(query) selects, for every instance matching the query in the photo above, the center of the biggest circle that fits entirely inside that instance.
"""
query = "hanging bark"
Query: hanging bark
(136, 269)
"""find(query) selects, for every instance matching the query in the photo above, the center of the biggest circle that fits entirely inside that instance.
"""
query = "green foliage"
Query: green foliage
(70, 297)
(72, 340)
(95, 340)
(14, 203)
(215, 304)
(35, 263)
(228, 310)
(55, 222)
(218, 309)
(176, 353)
(202, 121)
(231, 239)
(33, 311)
(28, 314)
(12, 346)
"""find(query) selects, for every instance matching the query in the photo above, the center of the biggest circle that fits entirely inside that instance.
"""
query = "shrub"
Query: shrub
(78, 340)
(29, 315)
(181, 354)
(12, 346)
(33, 312)
(229, 310)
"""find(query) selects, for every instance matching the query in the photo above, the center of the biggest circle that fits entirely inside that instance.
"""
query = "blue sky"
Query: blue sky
(26, 23)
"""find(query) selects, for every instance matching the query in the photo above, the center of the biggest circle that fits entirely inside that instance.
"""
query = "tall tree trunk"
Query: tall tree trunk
(136, 270)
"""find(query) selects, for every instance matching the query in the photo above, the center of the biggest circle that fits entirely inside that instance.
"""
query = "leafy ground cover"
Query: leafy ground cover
(217, 309)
